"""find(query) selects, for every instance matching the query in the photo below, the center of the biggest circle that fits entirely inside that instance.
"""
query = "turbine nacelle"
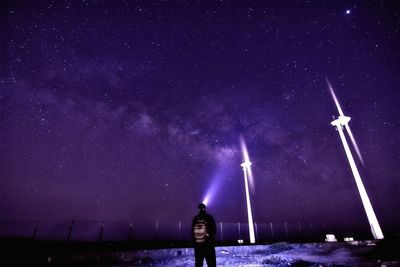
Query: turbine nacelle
(246, 165)
(341, 121)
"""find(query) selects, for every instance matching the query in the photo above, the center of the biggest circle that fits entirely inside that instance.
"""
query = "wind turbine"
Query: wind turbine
(347, 127)
(247, 172)
(339, 123)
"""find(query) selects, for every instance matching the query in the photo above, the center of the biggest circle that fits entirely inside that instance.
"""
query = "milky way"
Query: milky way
(122, 109)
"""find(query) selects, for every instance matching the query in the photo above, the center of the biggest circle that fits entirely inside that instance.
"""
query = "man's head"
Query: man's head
(202, 208)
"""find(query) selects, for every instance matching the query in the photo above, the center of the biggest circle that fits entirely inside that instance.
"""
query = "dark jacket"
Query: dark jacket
(203, 229)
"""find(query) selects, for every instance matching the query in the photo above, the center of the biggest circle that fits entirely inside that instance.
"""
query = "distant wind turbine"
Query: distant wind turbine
(247, 172)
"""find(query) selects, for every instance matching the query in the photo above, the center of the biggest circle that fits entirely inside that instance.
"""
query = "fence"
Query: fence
(227, 232)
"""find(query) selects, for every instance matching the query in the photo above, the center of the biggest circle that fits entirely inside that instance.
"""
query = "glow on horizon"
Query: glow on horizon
(373, 221)
(341, 114)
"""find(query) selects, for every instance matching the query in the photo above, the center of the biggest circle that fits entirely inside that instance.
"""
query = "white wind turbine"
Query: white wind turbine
(247, 175)
(339, 123)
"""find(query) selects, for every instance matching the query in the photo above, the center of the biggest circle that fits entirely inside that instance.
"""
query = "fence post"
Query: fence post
(286, 230)
(70, 231)
(101, 231)
(240, 235)
(256, 228)
(179, 230)
(222, 239)
(35, 230)
(272, 230)
(157, 229)
(130, 231)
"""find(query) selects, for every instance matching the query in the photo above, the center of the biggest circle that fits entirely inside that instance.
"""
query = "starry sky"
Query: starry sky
(119, 110)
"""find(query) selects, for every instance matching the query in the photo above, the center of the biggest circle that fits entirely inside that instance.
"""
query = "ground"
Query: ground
(279, 254)
(357, 253)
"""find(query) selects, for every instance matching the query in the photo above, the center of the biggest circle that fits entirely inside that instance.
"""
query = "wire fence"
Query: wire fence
(157, 231)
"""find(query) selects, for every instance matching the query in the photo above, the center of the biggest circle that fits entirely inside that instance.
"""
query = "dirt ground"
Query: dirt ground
(279, 254)
(357, 253)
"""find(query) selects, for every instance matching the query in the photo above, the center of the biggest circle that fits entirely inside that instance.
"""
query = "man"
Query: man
(203, 233)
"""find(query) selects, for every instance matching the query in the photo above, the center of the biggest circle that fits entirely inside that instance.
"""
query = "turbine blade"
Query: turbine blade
(335, 98)
(251, 181)
(353, 141)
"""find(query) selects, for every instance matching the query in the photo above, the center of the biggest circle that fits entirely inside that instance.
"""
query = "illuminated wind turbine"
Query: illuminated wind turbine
(247, 159)
(246, 170)
(353, 140)
(373, 221)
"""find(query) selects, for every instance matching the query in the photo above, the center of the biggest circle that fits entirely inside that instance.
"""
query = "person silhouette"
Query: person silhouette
(203, 233)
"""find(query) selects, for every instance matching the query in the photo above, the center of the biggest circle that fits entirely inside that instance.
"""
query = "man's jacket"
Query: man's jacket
(203, 229)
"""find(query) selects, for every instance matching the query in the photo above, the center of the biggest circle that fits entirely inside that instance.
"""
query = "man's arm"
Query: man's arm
(212, 227)
(191, 229)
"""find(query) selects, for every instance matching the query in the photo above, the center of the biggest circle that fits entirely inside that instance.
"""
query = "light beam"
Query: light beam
(215, 185)
(206, 199)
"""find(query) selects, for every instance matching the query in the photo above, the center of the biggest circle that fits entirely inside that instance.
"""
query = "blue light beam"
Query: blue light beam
(214, 187)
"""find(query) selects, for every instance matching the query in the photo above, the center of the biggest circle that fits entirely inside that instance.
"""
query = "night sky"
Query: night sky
(126, 110)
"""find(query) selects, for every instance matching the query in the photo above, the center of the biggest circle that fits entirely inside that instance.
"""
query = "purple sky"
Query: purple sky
(121, 109)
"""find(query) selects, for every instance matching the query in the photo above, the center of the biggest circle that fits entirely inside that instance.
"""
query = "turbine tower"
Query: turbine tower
(339, 123)
(246, 170)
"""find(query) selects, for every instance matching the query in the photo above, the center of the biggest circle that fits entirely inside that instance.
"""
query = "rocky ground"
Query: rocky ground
(279, 254)
(357, 253)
